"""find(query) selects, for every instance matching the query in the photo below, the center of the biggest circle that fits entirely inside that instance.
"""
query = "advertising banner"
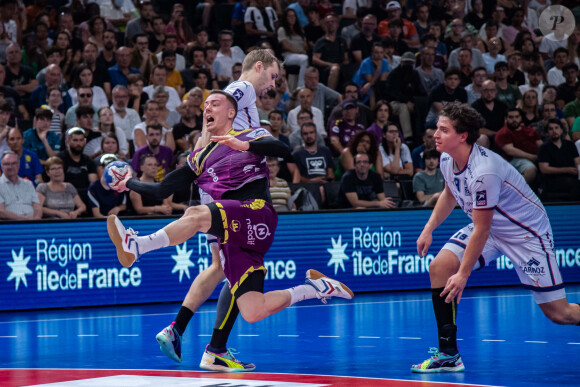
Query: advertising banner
(68, 264)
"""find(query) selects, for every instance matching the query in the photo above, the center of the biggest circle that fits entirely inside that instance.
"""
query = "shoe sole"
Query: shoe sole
(126, 259)
(220, 368)
(436, 370)
(314, 275)
(167, 347)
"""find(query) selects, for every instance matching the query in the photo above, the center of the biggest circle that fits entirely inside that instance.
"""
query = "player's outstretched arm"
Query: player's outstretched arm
(442, 209)
(263, 146)
(174, 181)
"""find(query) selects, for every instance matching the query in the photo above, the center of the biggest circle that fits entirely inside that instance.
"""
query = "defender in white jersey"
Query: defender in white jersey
(259, 72)
(508, 218)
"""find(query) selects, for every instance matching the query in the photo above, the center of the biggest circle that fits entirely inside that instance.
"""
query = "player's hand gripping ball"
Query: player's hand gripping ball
(116, 172)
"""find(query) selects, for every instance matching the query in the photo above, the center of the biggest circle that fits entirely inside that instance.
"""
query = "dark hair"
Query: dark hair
(92, 22)
(6, 106)
(302, 111)
(428, 37)
(76, 76)
(480, 68)
(373, 151)
(276, 112)
(170, 36)
(228, 96)
(349, 83)
(195, 73)
(296, 30)
(431, 154)
(514, 109)
(378, 105)
(452, 71)
(84, 111)
(559, 50)
(464, 118)
(168, 54)
(109, 135)
(154, 127)
(388, 42)
(568, 66)
(145, 157)
(43, 113)
(134, 78)
(554, 121)
(384, 140)
(396, 23)
(500, 64)
(535, 69)
(309, 123)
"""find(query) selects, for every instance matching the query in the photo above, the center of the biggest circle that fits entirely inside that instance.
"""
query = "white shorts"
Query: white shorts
(534, 260)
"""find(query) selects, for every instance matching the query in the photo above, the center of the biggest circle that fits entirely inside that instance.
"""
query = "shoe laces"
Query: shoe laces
(230, 352)
(131, 231)
(435, 352)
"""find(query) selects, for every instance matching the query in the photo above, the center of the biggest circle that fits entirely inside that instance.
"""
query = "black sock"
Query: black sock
(227, 312)
(578, 321)
(445, 315)
(182, 319)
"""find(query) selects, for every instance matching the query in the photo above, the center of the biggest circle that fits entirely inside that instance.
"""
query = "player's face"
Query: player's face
(267, 79)
(218, 114)
(446, 138)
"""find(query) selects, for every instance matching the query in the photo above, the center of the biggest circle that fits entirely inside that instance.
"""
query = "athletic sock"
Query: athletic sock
(155, 241)
(578, 321)
(445, 315)
(301, 293)
(227, 312)
(182, 319)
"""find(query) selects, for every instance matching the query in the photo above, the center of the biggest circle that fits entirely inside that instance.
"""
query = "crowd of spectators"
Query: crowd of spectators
(83, 83)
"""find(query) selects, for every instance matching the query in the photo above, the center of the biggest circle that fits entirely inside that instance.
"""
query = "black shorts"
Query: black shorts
(254, 283)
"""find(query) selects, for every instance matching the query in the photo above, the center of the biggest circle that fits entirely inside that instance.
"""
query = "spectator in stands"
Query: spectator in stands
(566, 91)
(152, 117)
(493, 112)
(39, 139)
(260, 21)
(173, 76)
(266, 103)
(390, 55)
(144, 205)
(79, 169)
(227, 56)
(19, 76)
(159, 78)
(5, 112)
(435, 29)
(452, 38)
(476, 16)
(137, 97)
(559, 163)
(52, 79)
(549, 112)
(555, 75)
(363, 43)
(429, 183)
(465, 68)
(394, 12)
(109, 148)
(403, 85)
(365, 114)
(8, 93)
(101, 75)
(295, 137)
(162, 153)
(170, 43)
(529, 108)
(198, 62)
(427, 145)
(141, 57)
(104, 201)
(106, 125)
(279, 189)
(324, 97)
(447, 92)
(300, 7)
(57, 198)
(293, 43)
(30, 166)
(373, 69)
(276, 120)
(314, 160)
(330, 52)
(492, 57)
(572, 109)
(141, 24)
(161, 95)
(396, 155)
(179, 26)
(382, 113)
(535, 77)
(157, 36)
(313, 31)
(517, 24)
(430, 76)
(191, 119)
(287, 167)
(529, 49)
(519, 144)
(422, 22)
(346, 128)
(362, 188)
(507, 93)
(124, 117)
(122, 68)
(85, 96)
(305, 98)
(515, 76)
(362, 142)
(18, 199)
(473, 90)
(83, 77)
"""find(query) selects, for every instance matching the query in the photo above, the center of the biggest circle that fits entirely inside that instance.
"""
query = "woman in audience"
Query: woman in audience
(382, 113)
(529, 47)
(106, 125)
(396, 155)
(110, 151)
(53, 101)
(96, 31)
(70, 56)
(293, 42)
(83, 76)
(362, 142)
(137, 97)
(529, 107)
(58, 199)
(179, 26)
(161, 95)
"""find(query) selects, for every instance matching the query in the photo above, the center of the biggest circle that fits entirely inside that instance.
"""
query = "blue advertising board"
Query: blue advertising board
(66, 264)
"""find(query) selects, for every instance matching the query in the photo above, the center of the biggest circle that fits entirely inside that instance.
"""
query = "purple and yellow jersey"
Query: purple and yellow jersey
(221, 169)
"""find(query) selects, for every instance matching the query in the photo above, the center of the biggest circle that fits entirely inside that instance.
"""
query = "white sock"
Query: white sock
(301, 293)
(155, 241)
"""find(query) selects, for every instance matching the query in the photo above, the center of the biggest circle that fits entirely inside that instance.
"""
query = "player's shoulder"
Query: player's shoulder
(253, 133)
(241, 90)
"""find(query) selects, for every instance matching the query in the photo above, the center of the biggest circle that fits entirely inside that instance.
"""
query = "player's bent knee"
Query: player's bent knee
(444, 265)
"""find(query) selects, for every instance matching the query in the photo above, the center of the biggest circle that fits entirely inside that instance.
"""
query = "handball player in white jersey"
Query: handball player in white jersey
(507, 218)
(260, 70)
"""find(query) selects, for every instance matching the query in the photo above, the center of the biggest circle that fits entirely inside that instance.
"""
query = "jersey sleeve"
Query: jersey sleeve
(243, 93)
(486, 191)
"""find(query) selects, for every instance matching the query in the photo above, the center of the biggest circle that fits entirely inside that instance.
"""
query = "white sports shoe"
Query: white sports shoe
(125, 240)
(327, 287)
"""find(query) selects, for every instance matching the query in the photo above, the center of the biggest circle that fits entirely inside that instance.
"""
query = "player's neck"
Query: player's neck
(461, 156)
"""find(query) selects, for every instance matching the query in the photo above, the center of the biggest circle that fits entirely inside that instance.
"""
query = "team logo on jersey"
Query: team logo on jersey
(481, 198)
(238, 94)
(235, 226)
(248, 168)
(258, 133)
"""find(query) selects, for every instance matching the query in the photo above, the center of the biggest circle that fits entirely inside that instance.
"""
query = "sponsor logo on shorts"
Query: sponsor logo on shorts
(235, 226)
(481, 198)
(533, 267)
(258, 231)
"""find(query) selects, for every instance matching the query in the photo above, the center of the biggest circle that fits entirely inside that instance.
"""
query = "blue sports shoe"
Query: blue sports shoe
(439, 362)
(170, 343)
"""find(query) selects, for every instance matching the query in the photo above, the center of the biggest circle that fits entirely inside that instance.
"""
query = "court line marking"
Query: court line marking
(410, 338)
(8, 337)
(92, 335)
(46, 335)
(537, 342)
(248, 335)
(128, 335)
(288, 335)
(204, 335)
(574, 343)
(499, 341)
(369, 337)
(329, 336)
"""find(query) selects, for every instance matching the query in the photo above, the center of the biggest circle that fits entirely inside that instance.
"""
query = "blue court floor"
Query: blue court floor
(505, 339)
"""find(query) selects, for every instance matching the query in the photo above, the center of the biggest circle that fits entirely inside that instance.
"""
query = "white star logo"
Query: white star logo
(19, 268)
(182, 262)
(337, 254)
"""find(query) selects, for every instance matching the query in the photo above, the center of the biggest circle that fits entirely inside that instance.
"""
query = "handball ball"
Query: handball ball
(115, 172)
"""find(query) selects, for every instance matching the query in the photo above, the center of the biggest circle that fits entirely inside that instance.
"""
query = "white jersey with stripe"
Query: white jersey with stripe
(245, 95)
(488, 182)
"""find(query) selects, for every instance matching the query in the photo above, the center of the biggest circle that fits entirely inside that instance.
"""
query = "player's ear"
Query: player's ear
(231, 113)
(259, 66)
